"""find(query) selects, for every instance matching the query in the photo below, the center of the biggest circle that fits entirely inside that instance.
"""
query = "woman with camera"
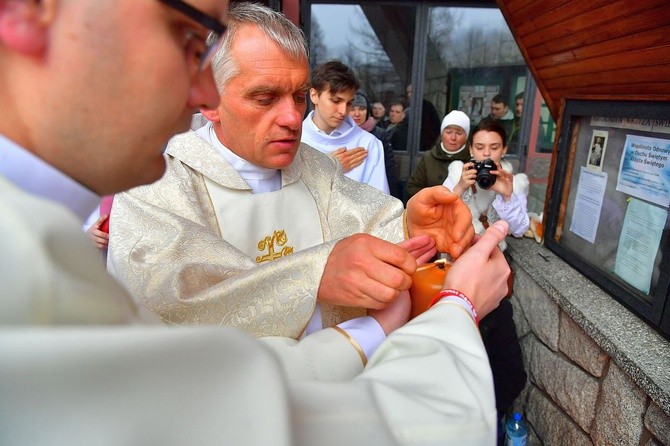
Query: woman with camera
(486, 183)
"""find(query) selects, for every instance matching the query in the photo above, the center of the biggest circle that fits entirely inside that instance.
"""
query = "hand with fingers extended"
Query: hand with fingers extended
(481, 272)
(367, 272)
(437, 212)
(504, 184)
(350, 158)
(95, 232)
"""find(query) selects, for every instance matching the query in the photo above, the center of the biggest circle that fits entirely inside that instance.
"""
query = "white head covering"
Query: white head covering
(456, 117)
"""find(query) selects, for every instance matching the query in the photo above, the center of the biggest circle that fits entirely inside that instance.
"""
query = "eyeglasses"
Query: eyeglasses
(217, 29)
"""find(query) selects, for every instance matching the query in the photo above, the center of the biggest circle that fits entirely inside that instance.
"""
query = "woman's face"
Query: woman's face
(453, 137)
(487, 144)
(359, 114)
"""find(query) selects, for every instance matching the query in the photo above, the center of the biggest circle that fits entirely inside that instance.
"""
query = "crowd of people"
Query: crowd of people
(267, 236)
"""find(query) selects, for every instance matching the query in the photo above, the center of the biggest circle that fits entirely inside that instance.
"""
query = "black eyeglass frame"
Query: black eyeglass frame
(217, 29)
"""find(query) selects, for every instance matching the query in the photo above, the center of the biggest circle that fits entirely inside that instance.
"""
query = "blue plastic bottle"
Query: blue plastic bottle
(516, 432)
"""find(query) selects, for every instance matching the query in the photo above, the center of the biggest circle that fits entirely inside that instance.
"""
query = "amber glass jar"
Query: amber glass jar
(427, 281)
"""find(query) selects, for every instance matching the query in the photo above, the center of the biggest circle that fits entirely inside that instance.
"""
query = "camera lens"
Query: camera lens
(485, 179)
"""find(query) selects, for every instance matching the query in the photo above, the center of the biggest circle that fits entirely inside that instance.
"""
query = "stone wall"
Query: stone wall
(583, 388)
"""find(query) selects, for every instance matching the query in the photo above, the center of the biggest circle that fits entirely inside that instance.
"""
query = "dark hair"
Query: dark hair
(334, 76)
(399, 102)
(520, 95)
(488, 125)
(500, 99)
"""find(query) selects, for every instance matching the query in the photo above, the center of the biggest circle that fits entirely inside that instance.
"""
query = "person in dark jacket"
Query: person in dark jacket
(501, 114)
(504, 351)
(433, 167)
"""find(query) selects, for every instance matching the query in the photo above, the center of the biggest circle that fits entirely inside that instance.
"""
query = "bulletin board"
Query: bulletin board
(610, 199)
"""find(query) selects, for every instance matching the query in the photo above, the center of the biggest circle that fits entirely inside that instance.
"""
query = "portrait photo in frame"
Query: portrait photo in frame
(597, 150)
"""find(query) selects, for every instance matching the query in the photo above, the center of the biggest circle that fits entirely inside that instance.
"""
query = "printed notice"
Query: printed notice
(644, 171)
(588, 203)
(646, 125)
(638, 243)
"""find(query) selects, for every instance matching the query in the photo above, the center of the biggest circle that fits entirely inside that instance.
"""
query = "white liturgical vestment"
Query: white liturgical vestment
(169, 248)
(79, 366)
(244, 223)
(372, 170)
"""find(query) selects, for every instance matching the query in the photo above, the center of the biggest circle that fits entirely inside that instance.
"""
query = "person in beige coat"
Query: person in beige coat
(80, 363)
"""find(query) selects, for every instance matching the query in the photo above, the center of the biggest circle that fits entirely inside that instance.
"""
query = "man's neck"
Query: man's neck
(321, 123)
(37, 177)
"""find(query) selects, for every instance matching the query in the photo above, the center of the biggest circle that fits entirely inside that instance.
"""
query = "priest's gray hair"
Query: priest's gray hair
(274, 24)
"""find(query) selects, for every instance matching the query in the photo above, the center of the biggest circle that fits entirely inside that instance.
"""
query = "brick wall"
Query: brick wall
(576, 393)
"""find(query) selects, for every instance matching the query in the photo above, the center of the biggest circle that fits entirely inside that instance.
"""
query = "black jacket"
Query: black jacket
(502, 346)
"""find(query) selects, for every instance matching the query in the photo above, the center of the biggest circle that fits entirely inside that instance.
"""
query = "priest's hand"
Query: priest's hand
(396, 314)
(437, 212)
(365, 271)
(351, 158)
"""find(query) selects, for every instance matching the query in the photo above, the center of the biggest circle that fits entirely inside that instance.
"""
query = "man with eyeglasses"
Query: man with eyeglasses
(80, 364)
(433, 167)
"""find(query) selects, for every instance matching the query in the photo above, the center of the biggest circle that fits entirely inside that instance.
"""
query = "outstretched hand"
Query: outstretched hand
(437, 212)
(481, 272)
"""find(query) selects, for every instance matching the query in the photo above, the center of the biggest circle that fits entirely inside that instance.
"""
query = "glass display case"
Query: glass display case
(608, 209)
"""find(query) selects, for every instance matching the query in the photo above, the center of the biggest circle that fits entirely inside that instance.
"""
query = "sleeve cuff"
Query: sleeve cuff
(364, 334)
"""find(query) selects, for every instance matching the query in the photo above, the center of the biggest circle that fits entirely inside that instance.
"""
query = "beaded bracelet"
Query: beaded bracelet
(459, 295)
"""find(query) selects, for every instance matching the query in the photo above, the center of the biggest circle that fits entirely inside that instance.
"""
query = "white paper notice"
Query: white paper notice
(638, 243)
(588, 203)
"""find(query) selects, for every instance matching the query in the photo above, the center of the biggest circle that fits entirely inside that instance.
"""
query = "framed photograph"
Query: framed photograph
(597, 150)
(608, 207)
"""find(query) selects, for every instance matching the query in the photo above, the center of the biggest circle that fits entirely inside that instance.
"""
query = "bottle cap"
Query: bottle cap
(517, 416)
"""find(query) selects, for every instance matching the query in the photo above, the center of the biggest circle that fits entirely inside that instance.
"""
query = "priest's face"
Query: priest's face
(262, 106)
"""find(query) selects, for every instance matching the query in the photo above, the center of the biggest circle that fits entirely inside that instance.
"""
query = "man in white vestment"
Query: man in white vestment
(81, 364)
(251, 229)
(329, 128)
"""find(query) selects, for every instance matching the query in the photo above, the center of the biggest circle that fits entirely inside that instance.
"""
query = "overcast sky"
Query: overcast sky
(335, 20)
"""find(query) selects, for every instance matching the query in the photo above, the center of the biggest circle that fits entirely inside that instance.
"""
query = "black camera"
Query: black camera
(484, 177)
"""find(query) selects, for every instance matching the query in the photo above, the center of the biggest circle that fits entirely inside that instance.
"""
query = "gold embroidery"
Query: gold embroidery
(279, 238)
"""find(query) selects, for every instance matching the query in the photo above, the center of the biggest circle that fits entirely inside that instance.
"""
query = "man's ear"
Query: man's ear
(212, 114)
(24, 25)
(314, 96)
